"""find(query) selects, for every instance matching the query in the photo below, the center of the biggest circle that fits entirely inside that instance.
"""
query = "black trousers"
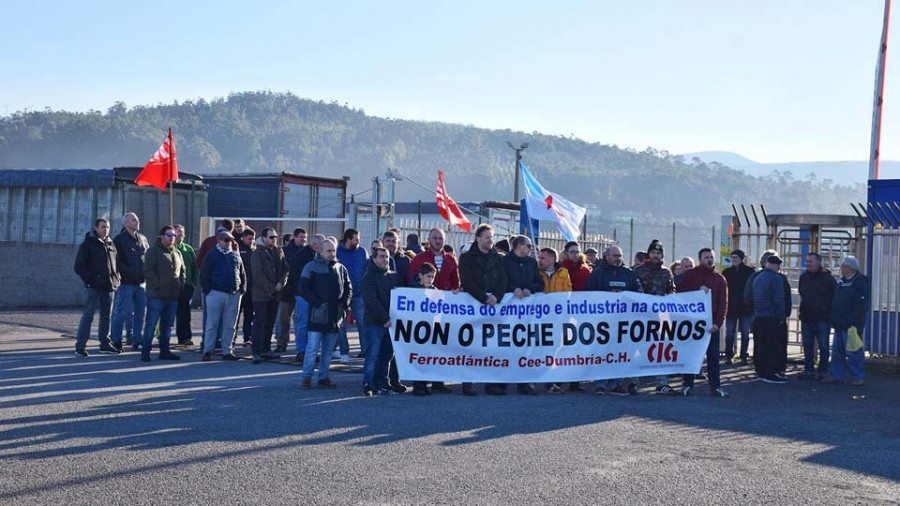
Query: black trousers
(183, 315)
(247, 309)
(264, 325)
(769, 346)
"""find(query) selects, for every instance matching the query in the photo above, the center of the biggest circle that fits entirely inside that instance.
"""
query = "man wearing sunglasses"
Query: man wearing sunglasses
(269, 272)
(165, 275)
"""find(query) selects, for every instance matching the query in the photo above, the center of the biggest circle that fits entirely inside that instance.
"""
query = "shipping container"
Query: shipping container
(60, 205)
(280, 200)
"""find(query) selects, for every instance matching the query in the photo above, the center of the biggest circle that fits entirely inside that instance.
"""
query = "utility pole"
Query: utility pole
(518, 151)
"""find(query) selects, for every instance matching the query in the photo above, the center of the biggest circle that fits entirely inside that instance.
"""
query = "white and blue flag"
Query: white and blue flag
(545, 205)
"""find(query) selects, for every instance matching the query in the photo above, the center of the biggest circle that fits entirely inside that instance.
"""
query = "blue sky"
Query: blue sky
(773, 80)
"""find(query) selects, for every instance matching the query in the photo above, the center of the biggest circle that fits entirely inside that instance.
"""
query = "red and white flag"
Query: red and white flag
(162, 167)
(448, 208)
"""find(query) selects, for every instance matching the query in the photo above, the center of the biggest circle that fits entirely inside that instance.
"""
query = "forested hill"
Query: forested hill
(267, 132)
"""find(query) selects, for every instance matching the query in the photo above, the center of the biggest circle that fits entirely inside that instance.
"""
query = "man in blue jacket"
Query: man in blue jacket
(224, 281)
(354, 257)
(848, 317)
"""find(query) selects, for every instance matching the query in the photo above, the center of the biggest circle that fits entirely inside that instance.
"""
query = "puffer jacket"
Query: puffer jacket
(130, 251)
(376, 293)
(768, 295)
(522, 272)
(164, 271)
(268, 269)
(613, 278)
(399, 263)
(95, 263)
(559, 281)
(656, 278)
(482, 273)
(325, 284)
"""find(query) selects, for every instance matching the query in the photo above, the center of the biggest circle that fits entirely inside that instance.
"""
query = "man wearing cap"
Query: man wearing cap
(657, 279)
(770, 323)
(704, 277)
(738, 316)
(848, 317)
(591, 256)
(817, 286)
(165, 274)
(223, 279)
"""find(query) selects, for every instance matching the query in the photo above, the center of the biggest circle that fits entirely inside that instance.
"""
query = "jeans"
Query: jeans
(221, 311)
(286, 309)
(358, 308)
(94, 300)
(730, 333)
(843, 361)
(301, 316)
(318, 341)
(379, 352)
(183, 315)
(712, 364)
(263, 324)
(162, 312)
(129, 298)
(815, 333)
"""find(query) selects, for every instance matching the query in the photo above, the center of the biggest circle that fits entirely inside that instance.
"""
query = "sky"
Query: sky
(772, 80)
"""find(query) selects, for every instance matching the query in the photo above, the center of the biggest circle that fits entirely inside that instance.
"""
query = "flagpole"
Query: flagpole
(875, 149)
(171, 182)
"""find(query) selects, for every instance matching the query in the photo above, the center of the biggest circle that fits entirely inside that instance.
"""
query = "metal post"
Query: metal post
(419, 225)
(631, 241)
(518, 151)
(712, 245)
(674, 256)
(376, 187)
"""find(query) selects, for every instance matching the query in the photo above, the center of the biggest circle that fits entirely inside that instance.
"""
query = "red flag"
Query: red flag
(448, 208)
(162, 167)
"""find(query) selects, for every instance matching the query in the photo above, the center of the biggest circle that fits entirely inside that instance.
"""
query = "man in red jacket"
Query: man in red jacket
(573, 261)
(448, 270)
(705, 277)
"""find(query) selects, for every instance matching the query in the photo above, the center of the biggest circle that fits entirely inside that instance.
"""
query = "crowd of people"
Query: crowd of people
(143, 291)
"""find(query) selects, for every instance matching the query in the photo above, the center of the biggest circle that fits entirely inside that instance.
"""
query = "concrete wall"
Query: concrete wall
(39, 275)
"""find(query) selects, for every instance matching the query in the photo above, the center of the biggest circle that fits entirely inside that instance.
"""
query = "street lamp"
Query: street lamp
(518, 151)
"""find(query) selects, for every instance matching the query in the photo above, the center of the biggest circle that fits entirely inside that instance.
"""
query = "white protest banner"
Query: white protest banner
(556, 337)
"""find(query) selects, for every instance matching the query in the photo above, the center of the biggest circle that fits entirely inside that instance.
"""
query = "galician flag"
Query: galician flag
(545, 205)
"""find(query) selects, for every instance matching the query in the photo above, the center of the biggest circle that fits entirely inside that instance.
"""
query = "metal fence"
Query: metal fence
(883, 269)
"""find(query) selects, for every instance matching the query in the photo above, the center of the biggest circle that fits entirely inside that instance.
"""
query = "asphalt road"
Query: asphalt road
(112, 430)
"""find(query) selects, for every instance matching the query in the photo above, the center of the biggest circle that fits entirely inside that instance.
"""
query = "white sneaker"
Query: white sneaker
(336, 355)
(345, 359)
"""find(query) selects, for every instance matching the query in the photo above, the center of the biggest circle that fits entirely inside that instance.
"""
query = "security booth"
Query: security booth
(882, 266)
(793, 237)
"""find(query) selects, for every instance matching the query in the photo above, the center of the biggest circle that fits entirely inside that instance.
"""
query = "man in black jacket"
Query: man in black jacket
(95, 264)
(246, 247)
(523, 278)
(611, 275)
(377, 283)
(288, 301)
(483, 276)
(817, 287)
(325, 284)
(738, 315)
(131, 297)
